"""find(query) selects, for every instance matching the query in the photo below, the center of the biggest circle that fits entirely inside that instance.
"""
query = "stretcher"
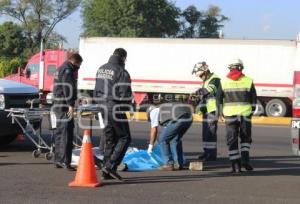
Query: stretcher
(26, 118)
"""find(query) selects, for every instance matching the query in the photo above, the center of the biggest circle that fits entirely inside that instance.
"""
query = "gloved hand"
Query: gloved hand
(150, 148)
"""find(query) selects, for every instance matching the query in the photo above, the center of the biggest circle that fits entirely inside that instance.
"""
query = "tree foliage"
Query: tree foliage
(130, 18)
(191, 24)
(144, 18)
(9, 66)
(38, 17)
(12, 40)
(202, 24)
(211, 22)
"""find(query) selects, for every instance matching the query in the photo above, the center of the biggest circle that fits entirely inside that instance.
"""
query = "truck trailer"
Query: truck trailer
(161, 68)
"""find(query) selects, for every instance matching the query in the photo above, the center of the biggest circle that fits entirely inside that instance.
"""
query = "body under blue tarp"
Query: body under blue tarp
(141, 160)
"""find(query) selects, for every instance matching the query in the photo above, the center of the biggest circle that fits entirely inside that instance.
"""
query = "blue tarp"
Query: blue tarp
(141, 160)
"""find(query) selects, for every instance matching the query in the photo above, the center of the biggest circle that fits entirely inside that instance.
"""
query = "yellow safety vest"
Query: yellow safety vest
(236, 99)
(211, 103)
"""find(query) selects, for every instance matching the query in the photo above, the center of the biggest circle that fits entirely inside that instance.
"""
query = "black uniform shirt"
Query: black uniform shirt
(113, 82)
(65, 84)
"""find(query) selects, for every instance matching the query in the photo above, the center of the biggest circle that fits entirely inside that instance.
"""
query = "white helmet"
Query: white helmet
(236, 64)
(200, 68)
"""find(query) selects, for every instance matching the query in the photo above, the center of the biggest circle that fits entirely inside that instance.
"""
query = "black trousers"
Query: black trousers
(209, 134)
(238, 127)
(117, 139)
(64, 134)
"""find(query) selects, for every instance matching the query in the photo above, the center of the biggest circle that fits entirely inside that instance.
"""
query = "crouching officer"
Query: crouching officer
(176, 118)
(65, 95)
(113, 93)
(236, 99)
(208, 107)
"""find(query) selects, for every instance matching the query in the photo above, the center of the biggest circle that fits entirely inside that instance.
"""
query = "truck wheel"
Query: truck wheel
(276, 108)
(5, 140)
(260, 110)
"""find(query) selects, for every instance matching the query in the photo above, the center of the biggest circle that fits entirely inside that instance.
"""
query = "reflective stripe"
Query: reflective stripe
(236, 104)
(245, 145)
(233, 152)
(237, 90)
(212, 87)
(209, 145)
(234, 157)
(86, 139)
(245, 149)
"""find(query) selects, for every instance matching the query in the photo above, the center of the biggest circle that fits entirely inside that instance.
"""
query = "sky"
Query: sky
(249, 19)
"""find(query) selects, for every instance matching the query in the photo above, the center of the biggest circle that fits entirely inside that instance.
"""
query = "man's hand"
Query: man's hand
(150, 148)
(70, 112)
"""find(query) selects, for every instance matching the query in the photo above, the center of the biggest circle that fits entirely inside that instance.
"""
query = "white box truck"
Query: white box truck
(161, 68)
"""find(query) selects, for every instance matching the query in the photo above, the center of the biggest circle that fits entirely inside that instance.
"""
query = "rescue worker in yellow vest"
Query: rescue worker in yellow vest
(236, 100)
(207, 107)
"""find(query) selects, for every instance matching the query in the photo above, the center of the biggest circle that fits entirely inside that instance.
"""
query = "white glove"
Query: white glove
(150, 148)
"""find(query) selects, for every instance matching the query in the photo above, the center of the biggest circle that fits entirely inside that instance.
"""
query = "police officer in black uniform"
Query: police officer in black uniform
(113, 93)
(65, 95)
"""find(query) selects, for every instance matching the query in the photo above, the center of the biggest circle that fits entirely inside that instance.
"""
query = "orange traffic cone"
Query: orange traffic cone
(86, 171)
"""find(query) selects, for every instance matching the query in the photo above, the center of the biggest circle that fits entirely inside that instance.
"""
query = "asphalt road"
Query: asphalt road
(276, 179)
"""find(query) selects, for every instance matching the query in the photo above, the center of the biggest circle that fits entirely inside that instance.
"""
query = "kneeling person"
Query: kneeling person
(176, 118)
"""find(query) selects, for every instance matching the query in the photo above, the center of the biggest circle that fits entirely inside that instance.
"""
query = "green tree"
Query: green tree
(9, 66)
(211, 22)
(38, 17)
(202, 24)
(191, 23)
(130, 18)
(12, 40)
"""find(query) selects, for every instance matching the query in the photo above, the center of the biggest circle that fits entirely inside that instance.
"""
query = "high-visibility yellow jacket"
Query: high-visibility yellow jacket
(208, 92)
(238, 97)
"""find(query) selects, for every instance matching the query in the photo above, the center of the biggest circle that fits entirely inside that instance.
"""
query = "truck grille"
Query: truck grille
(19, 100)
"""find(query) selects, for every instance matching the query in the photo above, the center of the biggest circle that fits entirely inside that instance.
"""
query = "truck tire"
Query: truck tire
(6, 139)
(276, 108)
(260, 110)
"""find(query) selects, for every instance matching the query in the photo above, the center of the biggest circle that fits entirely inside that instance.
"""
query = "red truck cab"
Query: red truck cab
(30, 75)
(295, 124)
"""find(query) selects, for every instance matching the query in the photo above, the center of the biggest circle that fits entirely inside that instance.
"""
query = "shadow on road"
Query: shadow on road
(264, 166)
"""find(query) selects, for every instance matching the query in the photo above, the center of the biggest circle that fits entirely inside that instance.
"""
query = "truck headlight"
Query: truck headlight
(2, 102)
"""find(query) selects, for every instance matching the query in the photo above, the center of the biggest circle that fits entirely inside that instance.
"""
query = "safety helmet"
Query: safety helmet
(200, 68)
(236, 64)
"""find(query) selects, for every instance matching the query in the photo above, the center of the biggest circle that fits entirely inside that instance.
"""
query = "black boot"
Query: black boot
(236, 166)
(246, 161)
